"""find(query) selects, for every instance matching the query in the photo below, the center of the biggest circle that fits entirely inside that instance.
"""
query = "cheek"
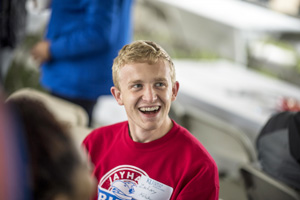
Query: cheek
(129, 99)
(125, 98)
(166, 97)
(170, 95)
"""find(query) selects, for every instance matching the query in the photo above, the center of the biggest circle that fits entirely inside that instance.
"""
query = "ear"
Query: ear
(175, 90)
(117, 94)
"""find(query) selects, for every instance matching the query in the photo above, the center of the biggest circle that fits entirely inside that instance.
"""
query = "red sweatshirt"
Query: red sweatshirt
(176, 166)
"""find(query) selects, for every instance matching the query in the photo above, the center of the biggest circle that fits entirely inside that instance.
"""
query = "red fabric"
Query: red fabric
(178, 160)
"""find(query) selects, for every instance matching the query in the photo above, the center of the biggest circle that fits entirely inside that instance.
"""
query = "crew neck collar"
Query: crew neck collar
(158, 143)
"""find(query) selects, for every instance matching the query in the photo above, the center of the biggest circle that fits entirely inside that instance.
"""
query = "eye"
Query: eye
(159, 84)
(136, 86)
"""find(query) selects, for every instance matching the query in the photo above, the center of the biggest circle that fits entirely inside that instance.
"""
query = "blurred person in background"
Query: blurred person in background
(278, 147)
(149, 156)
(57, 168)
(83, 37)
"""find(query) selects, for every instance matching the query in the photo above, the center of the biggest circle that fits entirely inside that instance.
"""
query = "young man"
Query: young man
(149, 156)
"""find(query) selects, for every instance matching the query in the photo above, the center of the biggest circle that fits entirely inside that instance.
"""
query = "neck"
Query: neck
(141, 135)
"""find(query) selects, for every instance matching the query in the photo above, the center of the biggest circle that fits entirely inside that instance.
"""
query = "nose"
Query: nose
(149, 94)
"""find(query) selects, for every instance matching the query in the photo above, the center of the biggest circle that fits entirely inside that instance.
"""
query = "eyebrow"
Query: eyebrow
(134, 82)
(140, 81)
(160, 79)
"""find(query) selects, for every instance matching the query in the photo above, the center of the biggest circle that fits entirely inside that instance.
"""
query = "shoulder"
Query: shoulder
(191, 148)
(276, 122)
(189, 141)
(108, 132)
(201, 171)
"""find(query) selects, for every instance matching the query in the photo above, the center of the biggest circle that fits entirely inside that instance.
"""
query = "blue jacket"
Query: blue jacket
(85, 36)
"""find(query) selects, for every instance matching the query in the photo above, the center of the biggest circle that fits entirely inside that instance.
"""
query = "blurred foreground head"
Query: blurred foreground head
(58, 169)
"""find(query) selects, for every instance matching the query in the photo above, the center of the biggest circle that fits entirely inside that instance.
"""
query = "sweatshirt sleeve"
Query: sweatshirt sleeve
(96, 34)
(204, 185)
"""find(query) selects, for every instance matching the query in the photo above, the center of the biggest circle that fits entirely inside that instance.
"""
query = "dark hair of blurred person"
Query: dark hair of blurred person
(57, 167)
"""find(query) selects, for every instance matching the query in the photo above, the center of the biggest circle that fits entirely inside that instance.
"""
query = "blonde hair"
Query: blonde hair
(141, 52)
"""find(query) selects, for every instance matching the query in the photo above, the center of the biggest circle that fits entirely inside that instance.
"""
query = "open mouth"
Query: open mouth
(149, 110)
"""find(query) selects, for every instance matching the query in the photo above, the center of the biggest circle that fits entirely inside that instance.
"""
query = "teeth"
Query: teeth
(149, 109)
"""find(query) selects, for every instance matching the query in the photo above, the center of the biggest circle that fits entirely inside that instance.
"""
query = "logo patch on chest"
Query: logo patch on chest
(127, 182)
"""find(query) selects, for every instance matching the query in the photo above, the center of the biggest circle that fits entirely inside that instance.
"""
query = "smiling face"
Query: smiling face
(146, 91)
